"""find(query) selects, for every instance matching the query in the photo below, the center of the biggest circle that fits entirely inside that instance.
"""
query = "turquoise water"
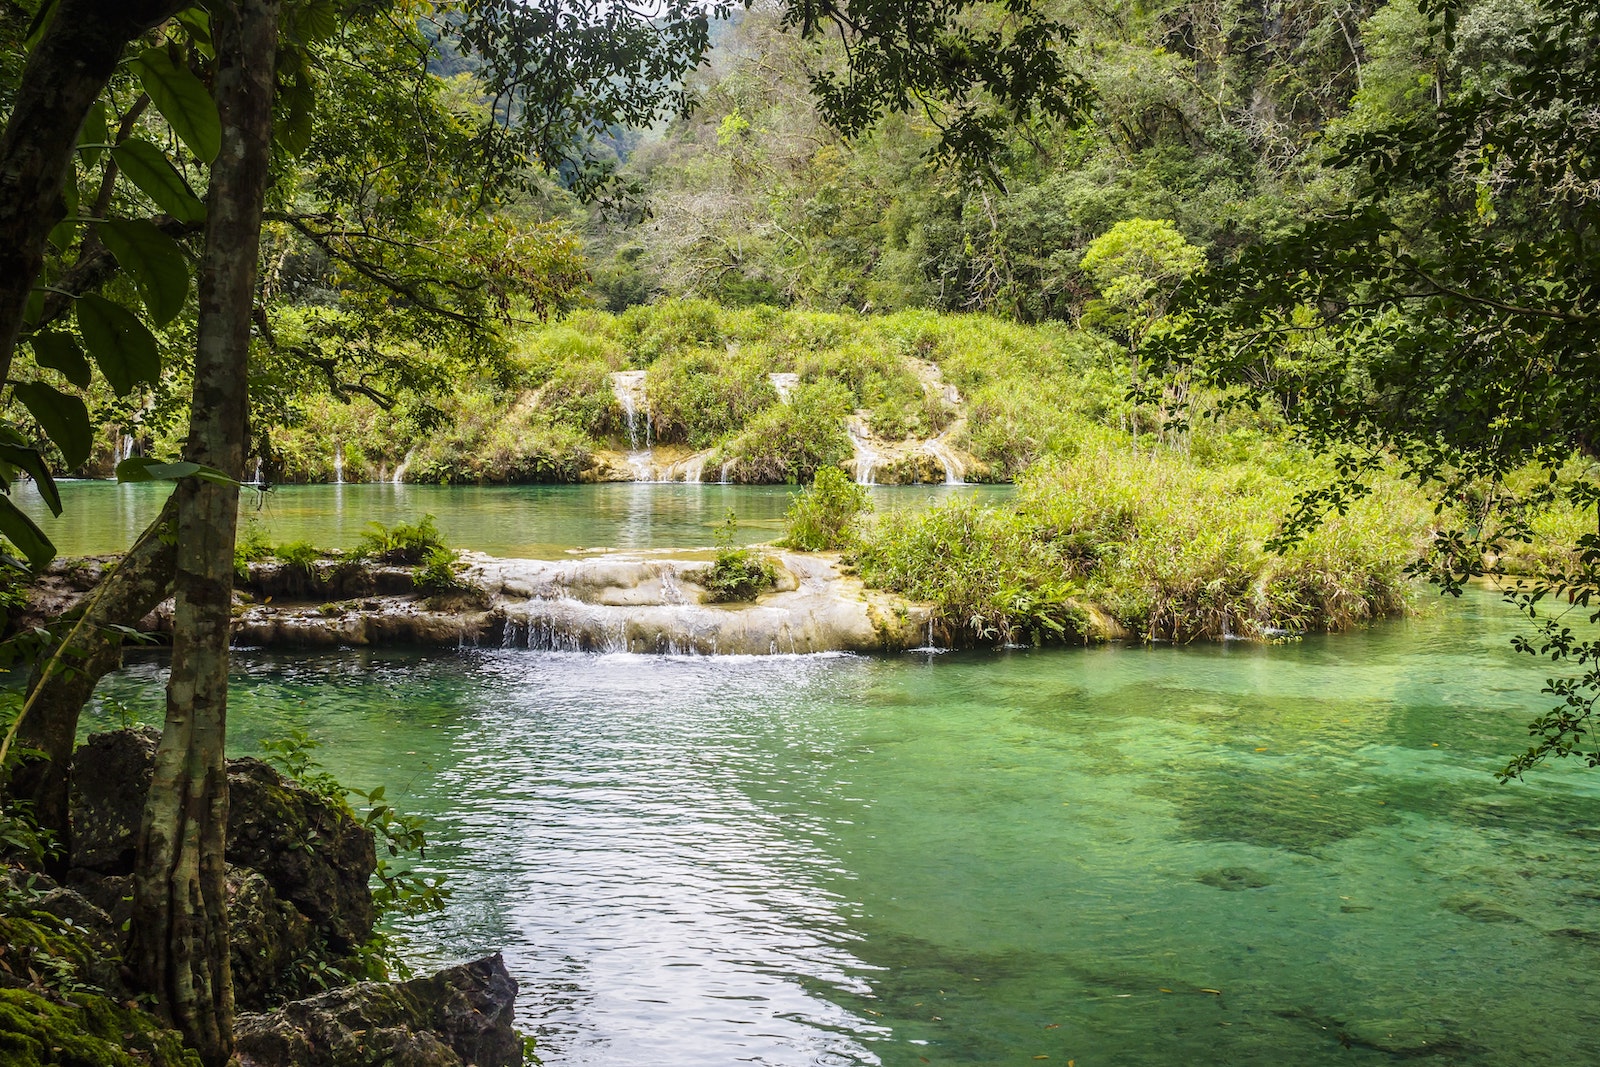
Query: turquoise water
(525, 522)
(1229, 854)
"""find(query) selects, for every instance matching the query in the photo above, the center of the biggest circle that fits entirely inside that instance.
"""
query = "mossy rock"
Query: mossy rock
(87, 1031)
(39, 943)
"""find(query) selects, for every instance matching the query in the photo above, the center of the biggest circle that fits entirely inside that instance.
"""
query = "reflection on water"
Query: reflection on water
(527, 522)
(1130, 856)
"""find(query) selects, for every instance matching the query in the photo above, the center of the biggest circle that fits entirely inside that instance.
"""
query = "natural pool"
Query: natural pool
(1231, 854)
(522, 522)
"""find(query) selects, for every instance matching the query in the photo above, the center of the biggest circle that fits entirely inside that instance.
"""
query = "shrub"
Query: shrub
(792, 442)
(492, 444)
(737, 574)
(400, 543)
(581, 396)
(440, 572)
(978, 566)
(1175, 551)
(299, 555)
(823, 515)
(699, 395)
(249, 548)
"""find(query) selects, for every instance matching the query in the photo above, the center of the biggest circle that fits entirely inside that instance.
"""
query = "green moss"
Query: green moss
(88, 1031)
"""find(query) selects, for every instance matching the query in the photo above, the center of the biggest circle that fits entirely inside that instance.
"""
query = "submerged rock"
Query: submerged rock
(460, 1016)
(1234, 878)
(1481, 909)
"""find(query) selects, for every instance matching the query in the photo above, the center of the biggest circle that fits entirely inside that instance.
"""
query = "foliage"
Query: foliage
(1138, 266)
(492, 441)
(299, 555)
(823, 515)
(1167, 548)
(401, 543)
(292, 754)
(251, 546)
(698, 396)
(1446, 315)
(22, 840)
(737, 574)
(986, 578)
(792, 442)
(400, 889)
(440, 572)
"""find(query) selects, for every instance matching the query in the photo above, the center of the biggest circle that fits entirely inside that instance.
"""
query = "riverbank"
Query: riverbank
(310, 965)
(643, 602)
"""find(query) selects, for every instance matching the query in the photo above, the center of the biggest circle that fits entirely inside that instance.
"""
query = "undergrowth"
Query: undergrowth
(823, 515)
(737, 574)
(1168, 549)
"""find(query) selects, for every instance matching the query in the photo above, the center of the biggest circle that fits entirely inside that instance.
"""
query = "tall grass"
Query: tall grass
(1167, 548)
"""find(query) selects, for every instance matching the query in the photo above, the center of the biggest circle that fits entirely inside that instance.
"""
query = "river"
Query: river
(519, 522)
(1231, 854)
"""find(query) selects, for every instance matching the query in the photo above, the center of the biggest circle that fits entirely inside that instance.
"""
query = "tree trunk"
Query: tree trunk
(60, 686)
(64, 75)
(180, 930)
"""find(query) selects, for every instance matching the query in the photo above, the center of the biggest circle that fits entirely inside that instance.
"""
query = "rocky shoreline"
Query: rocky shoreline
(642, 603)
(300, 912)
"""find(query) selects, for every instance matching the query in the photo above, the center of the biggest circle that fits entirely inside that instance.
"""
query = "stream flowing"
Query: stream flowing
(1230, 854)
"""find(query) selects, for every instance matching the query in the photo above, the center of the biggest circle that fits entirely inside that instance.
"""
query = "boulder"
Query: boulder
(300, 863)
(311, 851)
(458, 1017)
(111, 775)
(266, 936)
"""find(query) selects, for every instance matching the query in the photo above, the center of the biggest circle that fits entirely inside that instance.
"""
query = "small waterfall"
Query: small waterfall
(256, 477)
(940, 450)
(867, 458)
(405, 465)
(784, 384)
(929, 644)
(726, 467)
(125, 443)
(628, 386)
(338, 463)
(694, 470)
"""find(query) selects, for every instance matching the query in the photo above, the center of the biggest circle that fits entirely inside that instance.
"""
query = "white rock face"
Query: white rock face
(614, 603)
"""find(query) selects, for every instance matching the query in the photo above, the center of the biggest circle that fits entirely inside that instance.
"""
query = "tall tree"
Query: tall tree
(180, 908)
(1448, 317)
(81, 43)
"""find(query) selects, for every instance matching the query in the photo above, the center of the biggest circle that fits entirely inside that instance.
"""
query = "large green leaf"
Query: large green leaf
(147, 167)
(119, 343)
(183, 101)
(154, 262)
(21, 531)
(198, 22)
(62, 233)
(95, 133)
(145, 469)
(65, 420)
(58, 351)
(32, 461)
(314, 20)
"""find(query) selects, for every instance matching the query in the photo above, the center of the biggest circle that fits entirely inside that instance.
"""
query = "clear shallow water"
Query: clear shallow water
(1132, 856)
(523, 522)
